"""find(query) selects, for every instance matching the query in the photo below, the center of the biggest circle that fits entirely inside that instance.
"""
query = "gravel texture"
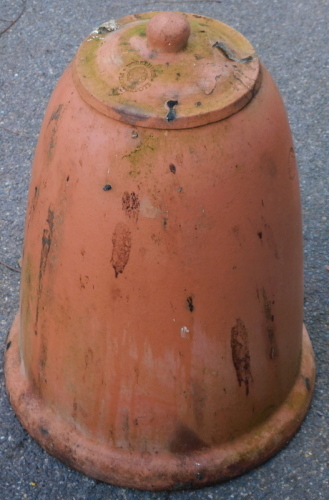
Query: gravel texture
(292, 40)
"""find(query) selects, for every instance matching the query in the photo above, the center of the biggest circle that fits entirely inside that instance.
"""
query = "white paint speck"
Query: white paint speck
(184, 332)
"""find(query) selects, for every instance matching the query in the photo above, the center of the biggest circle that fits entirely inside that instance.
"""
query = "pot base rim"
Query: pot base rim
(163, 471)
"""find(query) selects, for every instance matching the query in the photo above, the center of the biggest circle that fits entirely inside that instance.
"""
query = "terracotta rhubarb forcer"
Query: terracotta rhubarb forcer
(160, 342)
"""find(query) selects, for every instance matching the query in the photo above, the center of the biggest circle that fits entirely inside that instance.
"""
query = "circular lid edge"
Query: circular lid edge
(175, 111)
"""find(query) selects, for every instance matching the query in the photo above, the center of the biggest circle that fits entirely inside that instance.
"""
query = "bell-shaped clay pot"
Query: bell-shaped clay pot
(160, 341)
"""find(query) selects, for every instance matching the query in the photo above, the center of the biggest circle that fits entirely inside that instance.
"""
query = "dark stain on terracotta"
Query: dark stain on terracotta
(8, 345)
(54, 118)
(75, 409)
(126, 426)
(46, 241)
(121, 240)
(190, 303)
(240, 354)
(43, 358)
(84, 280)
(107, 187)
(33, 203)
(229, 54)
(268, 236)
(307, 383)
(129, 115)
(56, 114)
(172, 113)
(89, 357)
(35, 197)
(43, 353)
(292, 164)
(185, 441)
(130, 205)
(238, 234)
(260, 235)
(44, 431)
(172, 168)
(269, 324)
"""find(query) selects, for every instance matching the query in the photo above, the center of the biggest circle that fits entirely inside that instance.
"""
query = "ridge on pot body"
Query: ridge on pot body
(160, 342)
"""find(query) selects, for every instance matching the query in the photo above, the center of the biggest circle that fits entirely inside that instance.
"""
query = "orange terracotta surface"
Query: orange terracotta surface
(160, 340)
(168, 32)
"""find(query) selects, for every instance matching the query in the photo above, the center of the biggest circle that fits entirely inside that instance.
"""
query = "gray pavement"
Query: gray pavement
(292, 38)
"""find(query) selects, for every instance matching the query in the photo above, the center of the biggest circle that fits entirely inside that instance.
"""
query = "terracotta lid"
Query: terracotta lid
(166, 70)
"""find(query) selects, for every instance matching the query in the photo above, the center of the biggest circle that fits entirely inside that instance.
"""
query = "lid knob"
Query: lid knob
(168, 32)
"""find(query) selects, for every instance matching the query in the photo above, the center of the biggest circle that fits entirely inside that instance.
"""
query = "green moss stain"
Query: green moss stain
(136, 30)
(141, 158)
(297, 401)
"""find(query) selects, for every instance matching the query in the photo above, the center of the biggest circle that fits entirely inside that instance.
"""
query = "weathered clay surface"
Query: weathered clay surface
(159, 342)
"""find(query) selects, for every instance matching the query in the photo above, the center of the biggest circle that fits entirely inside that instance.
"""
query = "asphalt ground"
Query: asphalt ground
(292, 40)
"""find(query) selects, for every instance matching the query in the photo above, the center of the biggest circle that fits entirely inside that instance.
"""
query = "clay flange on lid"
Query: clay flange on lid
(166, 70)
